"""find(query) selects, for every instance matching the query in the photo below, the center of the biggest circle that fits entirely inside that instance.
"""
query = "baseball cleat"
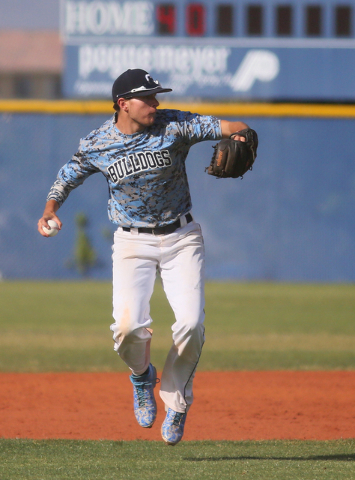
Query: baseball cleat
(172, 429)
(144, 404)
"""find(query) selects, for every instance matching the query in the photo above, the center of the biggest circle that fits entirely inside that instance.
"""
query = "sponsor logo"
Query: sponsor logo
(261, 65)
(186, 66)
(115, 59)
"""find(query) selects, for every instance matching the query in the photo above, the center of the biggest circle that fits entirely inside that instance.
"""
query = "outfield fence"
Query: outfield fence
(290, 219)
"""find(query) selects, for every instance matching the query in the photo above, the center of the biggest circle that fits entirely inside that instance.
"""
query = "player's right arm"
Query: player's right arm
(70, 176)
(49, 214)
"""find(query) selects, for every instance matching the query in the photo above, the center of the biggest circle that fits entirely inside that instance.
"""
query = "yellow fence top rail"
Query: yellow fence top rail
(90, 107)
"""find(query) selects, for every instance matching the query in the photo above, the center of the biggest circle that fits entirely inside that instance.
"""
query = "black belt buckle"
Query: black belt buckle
(171, 228)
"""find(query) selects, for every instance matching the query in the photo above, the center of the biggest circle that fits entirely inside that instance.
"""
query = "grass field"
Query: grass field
(65, 327)
(282, 460)
(59, 326)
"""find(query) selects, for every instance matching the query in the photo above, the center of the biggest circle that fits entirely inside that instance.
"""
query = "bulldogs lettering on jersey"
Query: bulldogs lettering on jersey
(138, 162)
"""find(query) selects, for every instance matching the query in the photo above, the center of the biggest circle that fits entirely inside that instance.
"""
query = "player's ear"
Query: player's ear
(123, 104)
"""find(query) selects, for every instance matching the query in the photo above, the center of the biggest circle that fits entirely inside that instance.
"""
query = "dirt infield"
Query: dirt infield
(228, 406)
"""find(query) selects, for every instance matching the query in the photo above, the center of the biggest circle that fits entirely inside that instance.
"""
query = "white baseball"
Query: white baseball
(53, 228)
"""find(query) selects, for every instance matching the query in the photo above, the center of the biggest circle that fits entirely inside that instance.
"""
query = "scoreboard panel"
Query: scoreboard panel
(215, 49)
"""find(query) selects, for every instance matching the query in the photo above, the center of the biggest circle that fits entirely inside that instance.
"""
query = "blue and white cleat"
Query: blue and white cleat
(144, 404)
(172, 429)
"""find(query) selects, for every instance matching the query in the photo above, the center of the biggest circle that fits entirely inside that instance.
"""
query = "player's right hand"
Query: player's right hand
(42, 222)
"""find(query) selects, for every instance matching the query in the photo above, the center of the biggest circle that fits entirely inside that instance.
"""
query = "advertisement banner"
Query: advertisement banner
(214, 70)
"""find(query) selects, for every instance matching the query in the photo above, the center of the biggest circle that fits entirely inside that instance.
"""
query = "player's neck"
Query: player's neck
(128, 126)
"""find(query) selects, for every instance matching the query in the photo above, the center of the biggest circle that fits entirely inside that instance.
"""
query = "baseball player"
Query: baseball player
(141, 151)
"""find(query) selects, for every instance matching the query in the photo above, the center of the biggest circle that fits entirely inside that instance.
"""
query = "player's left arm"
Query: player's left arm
(194, 127)
(231, 127)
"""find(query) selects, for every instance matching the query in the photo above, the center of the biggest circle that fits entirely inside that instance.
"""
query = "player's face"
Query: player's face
(142, 110)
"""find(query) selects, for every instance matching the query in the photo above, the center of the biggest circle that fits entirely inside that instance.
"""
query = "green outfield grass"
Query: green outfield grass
(63, 326)
(104, 460)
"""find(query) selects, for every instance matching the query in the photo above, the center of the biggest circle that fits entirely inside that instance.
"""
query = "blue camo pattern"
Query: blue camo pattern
(173, 426)
(146, 172)
(144, 404)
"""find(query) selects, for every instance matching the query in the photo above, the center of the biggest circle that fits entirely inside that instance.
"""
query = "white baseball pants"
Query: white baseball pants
(180, 258)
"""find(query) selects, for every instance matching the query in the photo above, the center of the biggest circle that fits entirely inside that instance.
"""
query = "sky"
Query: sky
(29, 14)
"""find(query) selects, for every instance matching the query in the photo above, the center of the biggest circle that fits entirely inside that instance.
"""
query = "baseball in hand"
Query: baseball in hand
(53, 230)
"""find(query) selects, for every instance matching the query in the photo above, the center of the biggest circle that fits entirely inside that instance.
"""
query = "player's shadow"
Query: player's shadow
(337, 458)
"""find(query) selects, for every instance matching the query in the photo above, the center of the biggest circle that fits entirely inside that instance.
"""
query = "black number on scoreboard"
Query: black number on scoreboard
(313, 20)
(255, 20)
(224, 20)
(343, 21)
(284, 20)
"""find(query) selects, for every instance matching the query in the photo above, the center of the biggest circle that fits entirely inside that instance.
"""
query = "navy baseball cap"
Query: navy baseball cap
(136, 83)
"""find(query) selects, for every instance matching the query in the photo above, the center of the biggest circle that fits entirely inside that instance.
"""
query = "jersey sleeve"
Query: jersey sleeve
(194, 128)
(70, 176)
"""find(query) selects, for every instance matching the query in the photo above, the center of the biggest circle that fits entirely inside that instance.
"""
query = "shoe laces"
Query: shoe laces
(177, 418)
(140, 391)
(141, 388)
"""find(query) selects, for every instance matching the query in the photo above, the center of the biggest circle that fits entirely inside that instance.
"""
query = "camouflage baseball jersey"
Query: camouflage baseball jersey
(145, 171)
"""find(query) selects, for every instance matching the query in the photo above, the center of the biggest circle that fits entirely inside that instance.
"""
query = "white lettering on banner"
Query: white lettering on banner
(185, 65)
(115, 59)
(260, 65)
(108, 18)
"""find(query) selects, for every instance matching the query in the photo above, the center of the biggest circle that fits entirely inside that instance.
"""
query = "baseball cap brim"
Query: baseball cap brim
(142, 92)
